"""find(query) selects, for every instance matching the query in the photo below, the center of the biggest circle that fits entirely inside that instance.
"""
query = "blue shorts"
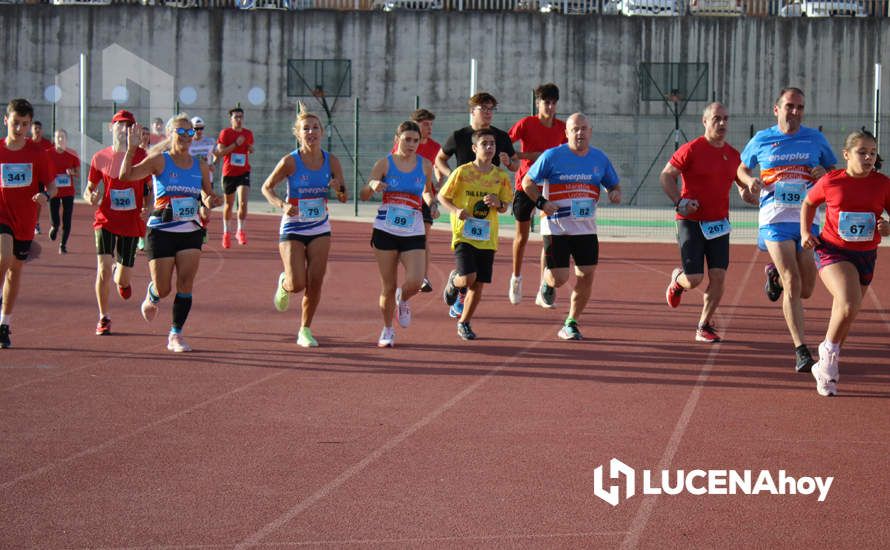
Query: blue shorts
(783, 231)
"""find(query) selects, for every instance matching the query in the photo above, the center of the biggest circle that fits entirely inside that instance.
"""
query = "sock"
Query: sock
(181, 306)
(103, 316)
(241, 224)
(570, 320)
(5, 319)
(225, 226)
(152, 293)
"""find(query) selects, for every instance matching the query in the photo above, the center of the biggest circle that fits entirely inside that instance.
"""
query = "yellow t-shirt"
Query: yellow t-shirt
(466, 187)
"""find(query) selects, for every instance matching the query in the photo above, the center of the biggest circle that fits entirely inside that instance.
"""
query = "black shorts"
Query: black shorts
(20, 249)
(381, 240)
(109, 243)
(523, 207)
(232, 183)
(165, 244)
(305, 239)
(694, 248)
(559, 249)
(470, 259)
(427, 213)
(863, 260)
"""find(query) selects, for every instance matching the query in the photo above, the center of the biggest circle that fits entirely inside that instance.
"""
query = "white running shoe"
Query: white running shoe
(149, 310)
(176, 343)
(515, 293)
(826, 372)
(404, 310)
(387, 338)
(282, 297)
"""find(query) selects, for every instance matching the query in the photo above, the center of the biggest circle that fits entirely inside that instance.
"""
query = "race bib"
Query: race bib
(856, 226)
(63, 180)
(184, 209)
(238, 159)
(312, 209)
(476, 229)
(400, 218)
(16, 174)
(790, 194)
(713, 230)
(123, 199)
(582, 208)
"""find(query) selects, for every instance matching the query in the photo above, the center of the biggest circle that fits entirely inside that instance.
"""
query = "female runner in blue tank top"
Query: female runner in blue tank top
(405, 179)
(305, 235)
(174, 236)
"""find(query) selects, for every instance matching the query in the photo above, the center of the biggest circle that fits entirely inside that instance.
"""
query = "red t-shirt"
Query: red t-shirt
(707, 172)
(119, 214)
(61, 162)
(154, 139)
(22, 171)
(236, 163)
(533, 136)
(843, 193)
(45, 144)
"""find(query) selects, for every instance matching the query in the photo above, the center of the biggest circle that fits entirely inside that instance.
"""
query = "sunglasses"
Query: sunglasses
(190, 132)
(198, 128)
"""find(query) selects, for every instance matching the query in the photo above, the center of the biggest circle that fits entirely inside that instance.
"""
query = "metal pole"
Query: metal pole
(416, 102)
(54, 121)
(473, 76)
(877, 121)
(83, 113)
(355, 184)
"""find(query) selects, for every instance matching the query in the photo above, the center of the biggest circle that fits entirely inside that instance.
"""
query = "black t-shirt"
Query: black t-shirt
(460, 145)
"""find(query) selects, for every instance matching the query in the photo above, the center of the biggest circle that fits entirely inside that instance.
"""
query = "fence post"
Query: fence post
(355, 142)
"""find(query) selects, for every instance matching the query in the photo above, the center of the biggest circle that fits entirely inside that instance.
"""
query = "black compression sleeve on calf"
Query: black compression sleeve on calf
(181, 306)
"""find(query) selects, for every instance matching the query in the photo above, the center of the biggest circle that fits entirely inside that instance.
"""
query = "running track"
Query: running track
(252, 441)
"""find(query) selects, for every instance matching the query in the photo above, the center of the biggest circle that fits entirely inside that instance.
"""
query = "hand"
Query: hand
(341, 195)
(505, 159)
(756, 186)
(215, 200)
(91, 196)
(817, 172)
(687, 206)
(807, 240)
(490, 199)
(883, 227)
(289, 209)
(40, 198)
(144, 213)
(377, 186)
(134, 136)
(549, 208)
(462, 214)
(434, 211)
(615, 196)
(748, 196)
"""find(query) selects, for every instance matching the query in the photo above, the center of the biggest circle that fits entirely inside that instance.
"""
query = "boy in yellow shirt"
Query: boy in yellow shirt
(475, 194)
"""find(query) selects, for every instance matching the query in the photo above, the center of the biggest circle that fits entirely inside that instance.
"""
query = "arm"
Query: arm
(668, 180)
(151, 166)
(449, 204)
(807, 213)
(442, 164)
(615, 194)
(337, 183)
(746, 176)
(375, 183)
(508, 162)
(429, 190)
(91, 193)
(283, 169)
(531, 189)
(207, 189)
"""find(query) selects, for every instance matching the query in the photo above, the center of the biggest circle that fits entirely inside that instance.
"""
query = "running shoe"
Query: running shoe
(305, 339)
(37, 229)
(282, 297)
(4, 337)
(829, 361)
(546, 297)
(149, 310)
(457, 308)
(125, 291)
(426, 286)
(241, 236)
(226, 240)
(387, 338)
(773, 286)
(803, 359)
(674, 291)
(449, 293)
(515, 292)
(465, 332)
(140, 244)
(404, 310)
(707, 333)
(63, 249)
(103, 327)
(569, 331)
(53, 232)
(176, 343)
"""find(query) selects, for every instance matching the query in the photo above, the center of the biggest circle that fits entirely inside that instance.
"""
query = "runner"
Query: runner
(24, 166)
(535, 135)
(427, 149)
(46, 145)
(847, 248)
(174, 232)
(305, 235)
(708, 165)
(203, 148)
(235, 145)
(119, 221)
(406, 181)
(67, 167)
(157, 134)
(791, 158)
(572, 175)
(475, 194)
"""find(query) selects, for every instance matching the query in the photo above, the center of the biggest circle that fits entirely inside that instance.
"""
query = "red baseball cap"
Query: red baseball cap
(124, 116)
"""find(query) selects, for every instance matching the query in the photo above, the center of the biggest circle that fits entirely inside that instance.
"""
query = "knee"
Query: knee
(297, 282)
(471, 280)
(695, 280)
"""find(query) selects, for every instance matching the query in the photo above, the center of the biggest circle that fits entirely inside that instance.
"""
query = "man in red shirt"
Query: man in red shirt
(46, 145)
(708, 165)
(157, 134)
(120, 217)
(235, 145)
(24, 167)
(67, 167)
(535, 135)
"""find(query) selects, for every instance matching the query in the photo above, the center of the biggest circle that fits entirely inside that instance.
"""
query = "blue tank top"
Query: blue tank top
(177, 197)
(400, 213)
(308, 191)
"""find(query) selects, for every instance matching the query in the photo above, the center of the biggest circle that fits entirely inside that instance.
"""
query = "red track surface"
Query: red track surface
(113, 441)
